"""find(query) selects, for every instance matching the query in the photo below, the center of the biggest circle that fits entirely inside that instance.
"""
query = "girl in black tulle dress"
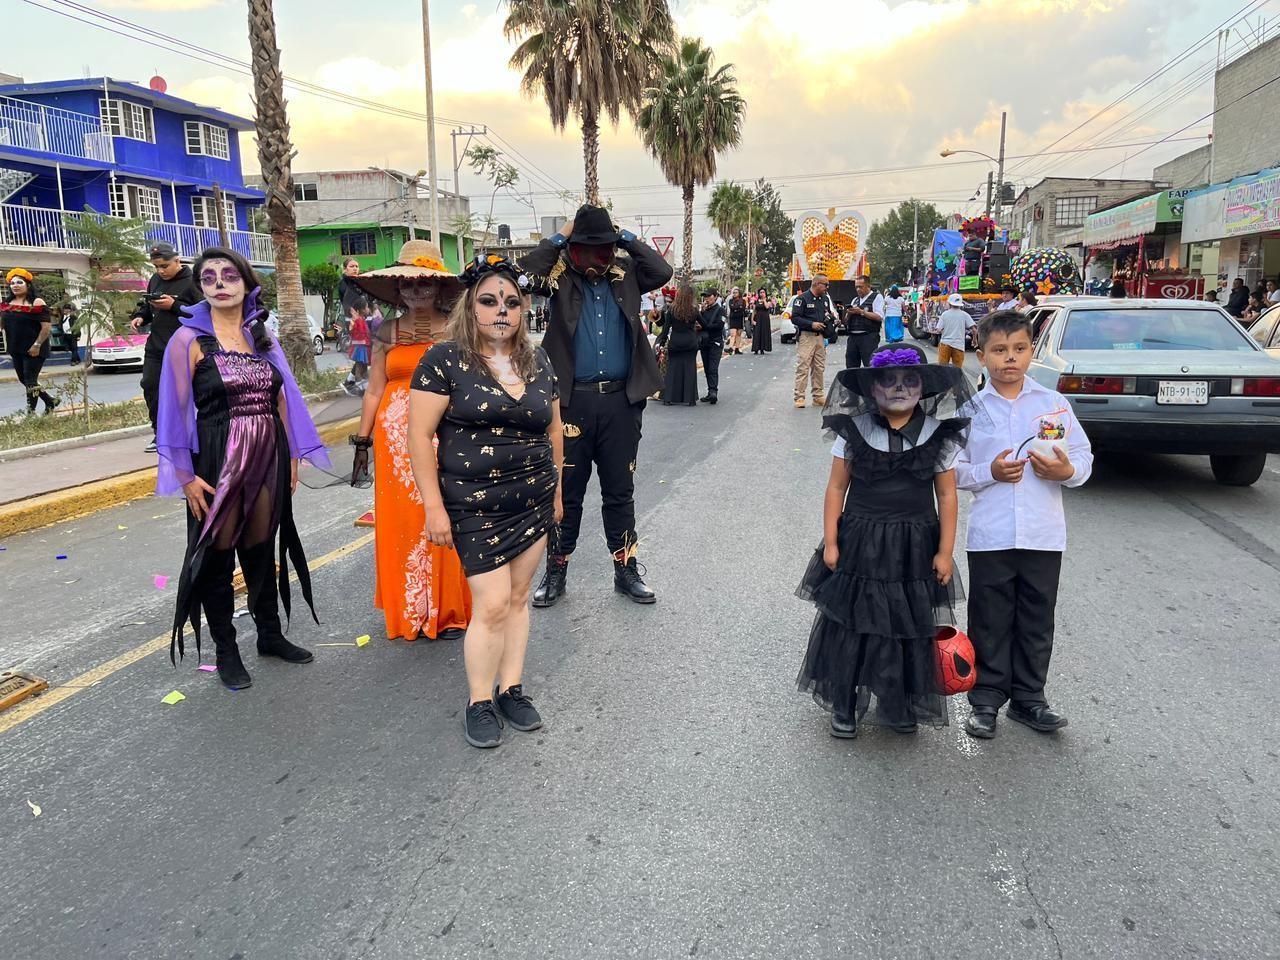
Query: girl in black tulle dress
(883, 578)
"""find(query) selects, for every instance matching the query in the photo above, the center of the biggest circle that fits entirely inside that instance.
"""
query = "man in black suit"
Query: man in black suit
(711, 321)
(606, 370)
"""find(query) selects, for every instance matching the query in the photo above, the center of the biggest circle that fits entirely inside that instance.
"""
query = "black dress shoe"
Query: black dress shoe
(552, 587)
(628, 581)
(450, 633)
(516, 708)
(843, 728)
(1038, 716)
(981, 723)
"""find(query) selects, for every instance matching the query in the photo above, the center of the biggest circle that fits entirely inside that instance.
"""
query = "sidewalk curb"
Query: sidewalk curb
(80, 501)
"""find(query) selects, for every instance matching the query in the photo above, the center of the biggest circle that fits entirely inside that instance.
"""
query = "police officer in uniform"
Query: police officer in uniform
(605, 370)
(815, 319)
(863, 321)
(170, 288)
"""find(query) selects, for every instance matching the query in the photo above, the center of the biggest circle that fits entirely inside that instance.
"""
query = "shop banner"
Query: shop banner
(1134, 219)
(1247, 206)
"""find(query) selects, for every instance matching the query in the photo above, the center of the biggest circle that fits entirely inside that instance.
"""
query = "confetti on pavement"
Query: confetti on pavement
(35, 808)
(161, 581)
(362, 640)
(61, 556)
(172, 698)
(207, 668)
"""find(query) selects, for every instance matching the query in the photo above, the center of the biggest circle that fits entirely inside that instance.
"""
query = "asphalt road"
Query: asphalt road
(683, 799)
(105, 386)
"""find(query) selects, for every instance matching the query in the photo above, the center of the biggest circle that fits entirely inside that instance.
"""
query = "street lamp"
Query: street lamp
(999, 164)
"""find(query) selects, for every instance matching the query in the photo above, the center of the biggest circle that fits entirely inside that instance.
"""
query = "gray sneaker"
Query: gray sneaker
(151, 447)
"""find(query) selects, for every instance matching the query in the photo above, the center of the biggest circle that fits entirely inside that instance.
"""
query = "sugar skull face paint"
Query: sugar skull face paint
(499, 307)
(419, 292)
(898, 391)
(18, 287)
(221, 283)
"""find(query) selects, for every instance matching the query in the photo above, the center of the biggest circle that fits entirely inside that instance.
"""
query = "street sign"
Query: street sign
(663, 245)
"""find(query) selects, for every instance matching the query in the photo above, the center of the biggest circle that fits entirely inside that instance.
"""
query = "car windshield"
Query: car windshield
(1152, 329)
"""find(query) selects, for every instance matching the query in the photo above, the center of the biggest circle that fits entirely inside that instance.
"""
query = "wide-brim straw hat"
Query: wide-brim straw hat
(418, 258)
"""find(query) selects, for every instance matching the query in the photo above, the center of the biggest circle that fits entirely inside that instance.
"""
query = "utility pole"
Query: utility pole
(989, 176)
(219, 216)
(431, 123)
(750, 212)
(1000, 169)
(915, 238)
(457, 165)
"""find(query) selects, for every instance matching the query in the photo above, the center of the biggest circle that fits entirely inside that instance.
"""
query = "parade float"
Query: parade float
(975, 261)
(833, 244)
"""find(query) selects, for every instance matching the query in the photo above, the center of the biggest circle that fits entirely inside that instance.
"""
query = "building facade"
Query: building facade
(121, 150)
(1053, 212)
(368, 214)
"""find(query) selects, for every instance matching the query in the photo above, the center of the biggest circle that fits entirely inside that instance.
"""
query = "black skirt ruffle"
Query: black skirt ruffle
(878, 613)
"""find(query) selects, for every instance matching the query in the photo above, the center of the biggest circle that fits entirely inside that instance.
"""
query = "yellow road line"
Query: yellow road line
(55, 695)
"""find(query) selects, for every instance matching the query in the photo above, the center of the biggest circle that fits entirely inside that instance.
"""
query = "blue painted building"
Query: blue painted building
(123, 150)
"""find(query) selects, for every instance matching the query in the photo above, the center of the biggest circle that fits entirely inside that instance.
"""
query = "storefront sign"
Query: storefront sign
(1243, 207)
(1134, 219)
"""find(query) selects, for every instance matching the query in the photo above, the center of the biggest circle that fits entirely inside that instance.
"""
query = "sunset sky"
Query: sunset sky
(832, 88)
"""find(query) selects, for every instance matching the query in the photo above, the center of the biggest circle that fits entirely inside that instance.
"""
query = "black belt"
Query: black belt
(604, 386)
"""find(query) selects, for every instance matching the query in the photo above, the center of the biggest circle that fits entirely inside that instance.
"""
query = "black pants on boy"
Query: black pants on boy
(1012, 596)
(601, 429)
(152, 365)
(711, 352)
(858, 349)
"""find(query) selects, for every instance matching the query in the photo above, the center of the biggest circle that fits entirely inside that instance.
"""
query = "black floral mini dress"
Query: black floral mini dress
(497, 474)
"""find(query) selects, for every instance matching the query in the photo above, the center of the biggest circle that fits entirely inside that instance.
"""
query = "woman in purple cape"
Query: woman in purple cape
(232, 426)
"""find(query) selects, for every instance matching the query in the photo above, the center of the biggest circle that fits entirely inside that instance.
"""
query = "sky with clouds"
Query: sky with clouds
(833, 88)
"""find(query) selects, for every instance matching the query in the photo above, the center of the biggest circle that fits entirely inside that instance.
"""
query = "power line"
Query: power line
(1244, 11)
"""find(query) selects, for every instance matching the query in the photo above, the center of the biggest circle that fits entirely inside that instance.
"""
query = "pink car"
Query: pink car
(119, 351)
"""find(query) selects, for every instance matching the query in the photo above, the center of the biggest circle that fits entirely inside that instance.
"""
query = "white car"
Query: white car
(118, 352)
(317, 332)
(787, 329)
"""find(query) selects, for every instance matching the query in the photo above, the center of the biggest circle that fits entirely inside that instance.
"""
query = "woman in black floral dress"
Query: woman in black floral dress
(489, 395)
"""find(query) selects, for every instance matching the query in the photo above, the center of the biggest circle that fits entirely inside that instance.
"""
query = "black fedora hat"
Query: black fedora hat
(592, 224)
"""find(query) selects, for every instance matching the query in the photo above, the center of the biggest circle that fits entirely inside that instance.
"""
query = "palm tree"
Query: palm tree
(690, 115)
(590, 57)
(735, 213)
(275, 155)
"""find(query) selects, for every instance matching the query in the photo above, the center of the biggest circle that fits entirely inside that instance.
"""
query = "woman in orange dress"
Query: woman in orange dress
(419, 587)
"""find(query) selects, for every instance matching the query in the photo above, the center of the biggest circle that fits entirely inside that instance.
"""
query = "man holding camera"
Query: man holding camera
(606, 370)
(170, 288)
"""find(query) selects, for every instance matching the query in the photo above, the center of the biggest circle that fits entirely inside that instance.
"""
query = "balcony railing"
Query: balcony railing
(33, 126)
(39, 228)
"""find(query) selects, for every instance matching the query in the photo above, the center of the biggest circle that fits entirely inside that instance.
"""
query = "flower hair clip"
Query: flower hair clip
(481, 267)
(895, 358)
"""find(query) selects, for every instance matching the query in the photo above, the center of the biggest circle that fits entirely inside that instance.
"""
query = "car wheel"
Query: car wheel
(1238, 471)
(319, 345)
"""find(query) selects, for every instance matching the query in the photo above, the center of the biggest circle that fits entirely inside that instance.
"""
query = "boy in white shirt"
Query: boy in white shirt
(1023, 448)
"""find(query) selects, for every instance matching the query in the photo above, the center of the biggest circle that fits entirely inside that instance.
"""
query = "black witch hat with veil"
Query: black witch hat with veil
(928, 442)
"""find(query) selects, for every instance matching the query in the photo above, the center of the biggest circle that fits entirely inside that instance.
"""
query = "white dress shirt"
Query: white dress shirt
(1026, 515)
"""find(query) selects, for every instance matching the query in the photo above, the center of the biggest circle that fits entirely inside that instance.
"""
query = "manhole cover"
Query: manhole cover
(16, 686)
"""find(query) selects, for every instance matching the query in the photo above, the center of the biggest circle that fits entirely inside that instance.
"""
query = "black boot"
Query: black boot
(32, 399)
(552, 587)
(259, 568)
(49, 402)
(628, 581)
(219, 602)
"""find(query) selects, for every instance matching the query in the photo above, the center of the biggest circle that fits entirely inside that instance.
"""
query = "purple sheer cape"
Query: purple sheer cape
(176, 438)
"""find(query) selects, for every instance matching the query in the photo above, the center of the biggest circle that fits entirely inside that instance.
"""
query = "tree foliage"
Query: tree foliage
(115, 248)
(321, 279)
(772, 246)
(691, 115)
(889, 245)
(490, 164)
(591, 58)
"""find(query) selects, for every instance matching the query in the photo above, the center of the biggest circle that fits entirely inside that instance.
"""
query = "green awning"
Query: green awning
(1135, 218)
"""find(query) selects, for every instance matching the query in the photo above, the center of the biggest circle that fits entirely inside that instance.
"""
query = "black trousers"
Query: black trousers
(152, 365)
(1012, 596)
(601, 429)
(711, 352)
(858, 349)
(28, 370)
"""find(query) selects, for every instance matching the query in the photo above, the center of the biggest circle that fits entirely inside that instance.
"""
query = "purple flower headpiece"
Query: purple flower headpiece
(895, 358)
